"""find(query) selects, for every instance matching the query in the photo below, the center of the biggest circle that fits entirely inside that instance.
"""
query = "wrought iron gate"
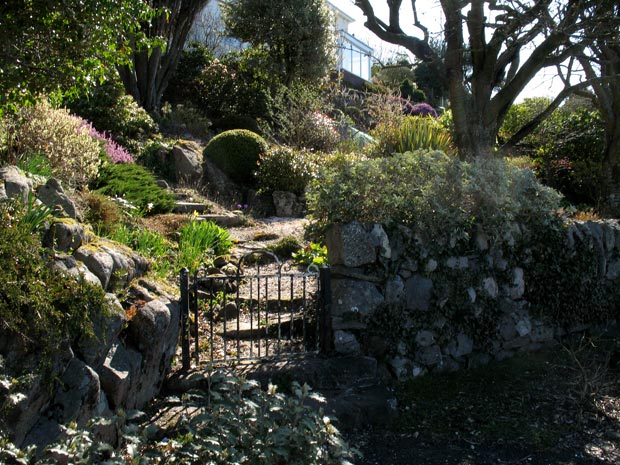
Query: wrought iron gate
(255, 311)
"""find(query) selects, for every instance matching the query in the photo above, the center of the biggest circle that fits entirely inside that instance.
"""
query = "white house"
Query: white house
(354, 56)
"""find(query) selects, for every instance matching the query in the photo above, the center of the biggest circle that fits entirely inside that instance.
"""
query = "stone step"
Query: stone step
(247, 331)
(190, 207)
(228, 220)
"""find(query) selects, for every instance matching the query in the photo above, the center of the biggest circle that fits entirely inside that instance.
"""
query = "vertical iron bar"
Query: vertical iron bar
(258, 312)
(290, 330)
(303, 313)
(211, 318)
(184, 279)
(325, 310)
(195, 309)
(238, 307)
(267, 316)
(251, 304)
(225, 338)
(279, 309)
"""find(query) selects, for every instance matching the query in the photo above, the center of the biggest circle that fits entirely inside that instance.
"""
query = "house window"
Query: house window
(354, 56)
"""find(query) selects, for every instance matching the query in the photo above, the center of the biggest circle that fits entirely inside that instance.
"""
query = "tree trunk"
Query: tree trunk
(475, 126)
(611, 171)
(151, 71)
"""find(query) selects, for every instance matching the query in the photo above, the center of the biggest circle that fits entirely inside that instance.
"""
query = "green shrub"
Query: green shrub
(102, 213)
(235, 84)
(136, 185)
(199, 239)
(285, 247)
(179, 120)
(112, 111)
(431, 191)
(229, 122)
(300, 118)
(236, 153)
(74, 156)
(312, 254)
(580, 294)
(233, 422)
(287, 169)
(156, 157)
(567, 147)
(39, 307)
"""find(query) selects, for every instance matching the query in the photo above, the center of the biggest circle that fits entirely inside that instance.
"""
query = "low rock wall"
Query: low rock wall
(396, 299)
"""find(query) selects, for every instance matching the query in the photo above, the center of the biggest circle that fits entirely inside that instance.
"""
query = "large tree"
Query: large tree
(600, 62)
(493, 50)
(296, 33)
(63, 47)
(151, 68)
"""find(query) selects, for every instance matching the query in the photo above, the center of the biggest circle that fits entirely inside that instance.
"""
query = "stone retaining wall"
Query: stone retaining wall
(122, 365)
(395, 299)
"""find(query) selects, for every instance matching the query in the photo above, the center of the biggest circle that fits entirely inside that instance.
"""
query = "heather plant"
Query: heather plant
(74, 156)
(423, 109)
(115, 152)
(117, 115)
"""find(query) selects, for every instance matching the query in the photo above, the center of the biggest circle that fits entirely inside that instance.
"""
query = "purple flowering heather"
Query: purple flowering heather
(116, 152)
(423, 109)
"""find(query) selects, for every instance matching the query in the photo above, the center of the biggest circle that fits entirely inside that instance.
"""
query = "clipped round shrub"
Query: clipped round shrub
(236, 153)
(286, 169)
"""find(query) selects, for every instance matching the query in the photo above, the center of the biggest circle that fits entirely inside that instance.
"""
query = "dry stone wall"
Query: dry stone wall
(440, 307)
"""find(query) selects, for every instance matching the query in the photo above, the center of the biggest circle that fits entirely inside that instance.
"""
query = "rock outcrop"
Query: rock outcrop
(121, 363)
